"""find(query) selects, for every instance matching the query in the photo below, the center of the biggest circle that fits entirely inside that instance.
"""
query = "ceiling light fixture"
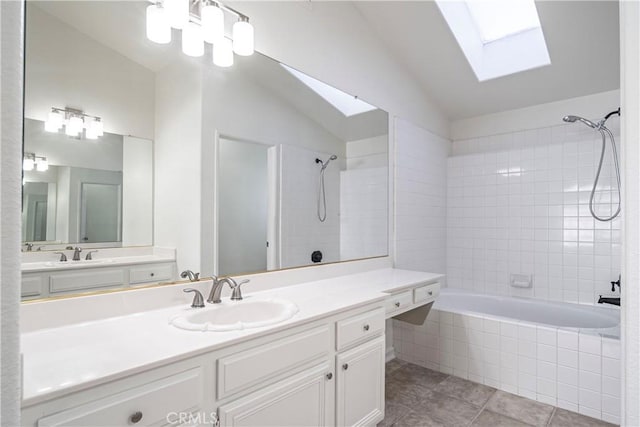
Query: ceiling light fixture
(74, 122)
(200, 21)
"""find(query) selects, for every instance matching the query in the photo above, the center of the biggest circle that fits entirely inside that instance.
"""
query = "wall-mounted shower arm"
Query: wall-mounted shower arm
(612, 114)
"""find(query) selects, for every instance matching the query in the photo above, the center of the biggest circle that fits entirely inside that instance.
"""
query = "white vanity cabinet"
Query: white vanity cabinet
(42, 284)
(156, 397)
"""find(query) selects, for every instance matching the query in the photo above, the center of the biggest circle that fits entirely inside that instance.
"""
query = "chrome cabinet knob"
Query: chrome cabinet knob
(430, 292)
(365, 327)
(345, 366)
(397, 304)
(135, 417)
(329, 375)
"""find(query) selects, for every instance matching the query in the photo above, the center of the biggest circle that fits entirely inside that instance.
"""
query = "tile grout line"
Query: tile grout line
(551, 417)
(483, 406)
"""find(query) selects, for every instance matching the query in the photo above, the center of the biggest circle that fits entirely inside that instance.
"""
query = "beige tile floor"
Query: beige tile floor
(417, 397)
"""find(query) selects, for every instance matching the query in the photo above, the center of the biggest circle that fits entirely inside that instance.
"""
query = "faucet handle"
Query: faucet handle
(89, 257)
(236, 294)
(198, 300)
(63, 257)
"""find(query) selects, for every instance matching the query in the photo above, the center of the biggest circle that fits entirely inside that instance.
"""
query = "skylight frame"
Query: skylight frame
(346, 104)
(523, 17)
(512, 54)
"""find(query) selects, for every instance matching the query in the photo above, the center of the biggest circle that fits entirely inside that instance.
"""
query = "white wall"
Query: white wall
(421, 182)
(137, 191)
(11, 72)
(630, 89)
(332, 42)
(66, 68)
(177, 161)
(592, 107)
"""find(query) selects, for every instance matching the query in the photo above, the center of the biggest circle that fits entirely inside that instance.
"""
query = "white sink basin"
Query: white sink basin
(236, 315)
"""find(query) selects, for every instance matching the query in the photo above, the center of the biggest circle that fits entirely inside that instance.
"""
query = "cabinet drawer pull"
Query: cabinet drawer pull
(329, 375)
(152, 274)
(397, 304)
(365, 327)
(135, 418)
(430, 293)
(345, 366)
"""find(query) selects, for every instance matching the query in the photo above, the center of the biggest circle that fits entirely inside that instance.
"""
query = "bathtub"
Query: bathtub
(550, 313)
(562, 354)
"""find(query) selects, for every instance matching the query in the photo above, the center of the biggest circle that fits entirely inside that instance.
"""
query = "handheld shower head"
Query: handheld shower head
(573, 119)
(326, 163)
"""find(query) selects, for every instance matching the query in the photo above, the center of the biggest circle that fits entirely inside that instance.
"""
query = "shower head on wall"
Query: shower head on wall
(573, 119)
(326, 163)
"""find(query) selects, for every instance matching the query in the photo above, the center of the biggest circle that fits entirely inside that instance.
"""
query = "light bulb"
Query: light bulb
(212, 23)
(94, 129)
(192, 41)
(223, 53)
(178, 12)
(54, 121)
(158, 27)
(243, 38)
(42, 164)
(74, 126)
(28, 163)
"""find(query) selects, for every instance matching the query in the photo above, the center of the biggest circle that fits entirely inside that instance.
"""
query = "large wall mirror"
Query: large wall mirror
(298, 169)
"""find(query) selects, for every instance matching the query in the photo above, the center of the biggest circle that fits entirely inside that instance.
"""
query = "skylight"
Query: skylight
(498, 37)
(497, 19)
(345, 103)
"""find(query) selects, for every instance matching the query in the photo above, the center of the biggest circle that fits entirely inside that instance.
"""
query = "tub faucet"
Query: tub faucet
(609, 300)
(29, 246)
(76, 253)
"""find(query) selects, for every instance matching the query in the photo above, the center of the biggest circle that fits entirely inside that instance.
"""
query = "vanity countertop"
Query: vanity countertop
(73, 357)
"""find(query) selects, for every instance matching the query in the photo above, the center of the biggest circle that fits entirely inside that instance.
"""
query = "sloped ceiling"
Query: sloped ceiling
(582, 38)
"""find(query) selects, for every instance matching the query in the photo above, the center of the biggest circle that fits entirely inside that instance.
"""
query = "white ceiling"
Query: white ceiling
(582, 37)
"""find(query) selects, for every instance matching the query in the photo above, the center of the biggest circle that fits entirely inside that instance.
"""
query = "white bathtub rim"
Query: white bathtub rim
(611, 333)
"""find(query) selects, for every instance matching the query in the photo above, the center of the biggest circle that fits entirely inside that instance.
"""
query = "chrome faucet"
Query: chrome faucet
(216, 289)
(29, 246)
(612, 300)
(76, 253)
(193, 277)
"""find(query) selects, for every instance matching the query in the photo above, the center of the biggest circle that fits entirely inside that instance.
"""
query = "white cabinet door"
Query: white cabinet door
(360, 384)
(306, 399)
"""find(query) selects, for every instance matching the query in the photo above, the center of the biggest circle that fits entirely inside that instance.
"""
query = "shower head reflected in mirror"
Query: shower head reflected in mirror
(326, 163)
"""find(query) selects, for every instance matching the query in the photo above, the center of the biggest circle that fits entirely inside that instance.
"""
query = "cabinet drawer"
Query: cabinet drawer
(359, 328)
(152, 403)
(86, 279)
(426, 293)
(399, 301)
(151, 273)
(31, 285)
(246, 368)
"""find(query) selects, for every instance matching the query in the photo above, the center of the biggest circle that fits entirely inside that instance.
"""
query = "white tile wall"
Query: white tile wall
(518, 203)
(420, 193)
(363, 212)
(563, 368)
(301, 231)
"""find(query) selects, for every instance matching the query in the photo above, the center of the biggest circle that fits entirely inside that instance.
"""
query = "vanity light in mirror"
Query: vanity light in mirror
(158, 26)
(212, 23)
(29, 161)
(243, 37)
(223, 53)
(54, 122)
(192, 39)
(42, 165)
(94, 129)
(74, 126)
